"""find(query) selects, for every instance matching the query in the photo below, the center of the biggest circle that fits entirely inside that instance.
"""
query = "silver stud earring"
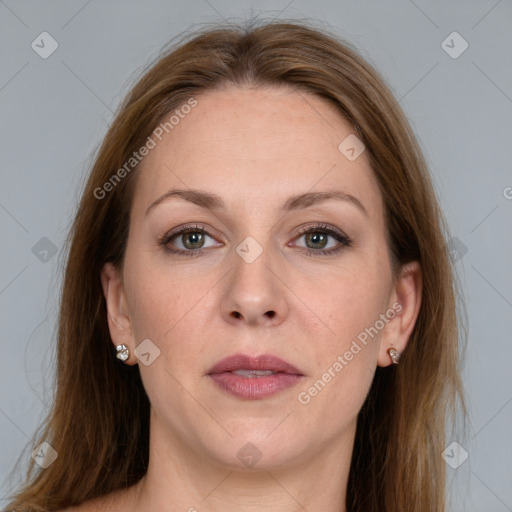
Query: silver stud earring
(122, 352)
(394, 355)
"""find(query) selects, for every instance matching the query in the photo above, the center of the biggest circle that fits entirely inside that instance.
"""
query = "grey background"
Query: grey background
(55, 111)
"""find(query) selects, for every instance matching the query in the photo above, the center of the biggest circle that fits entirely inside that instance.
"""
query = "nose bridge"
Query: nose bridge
(253, 290)
(251, 262)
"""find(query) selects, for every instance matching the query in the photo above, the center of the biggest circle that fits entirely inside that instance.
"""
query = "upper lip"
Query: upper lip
(245, 362)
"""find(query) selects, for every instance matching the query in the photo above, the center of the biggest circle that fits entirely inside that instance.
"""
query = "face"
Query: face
(266, 265)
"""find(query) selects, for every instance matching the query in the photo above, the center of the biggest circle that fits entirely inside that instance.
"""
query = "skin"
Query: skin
(255, 148)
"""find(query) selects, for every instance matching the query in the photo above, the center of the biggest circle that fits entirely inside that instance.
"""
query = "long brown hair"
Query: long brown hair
(99, 423)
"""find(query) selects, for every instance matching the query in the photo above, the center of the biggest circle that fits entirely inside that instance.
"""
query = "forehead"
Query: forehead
(259, 143)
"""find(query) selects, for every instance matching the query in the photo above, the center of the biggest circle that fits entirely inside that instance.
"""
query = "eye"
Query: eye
(317, 240)
(188, 240)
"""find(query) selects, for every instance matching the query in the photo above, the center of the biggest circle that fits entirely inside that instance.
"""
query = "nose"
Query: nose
(255, 292)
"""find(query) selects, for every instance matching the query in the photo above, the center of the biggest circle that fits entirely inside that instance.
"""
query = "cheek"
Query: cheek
(346, 361)
(351, 306)
(335, 398)
(173, 309)
(345, 358)
(351, 301)
(160, 296)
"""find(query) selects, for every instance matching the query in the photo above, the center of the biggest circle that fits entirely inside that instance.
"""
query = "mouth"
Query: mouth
(248, 366)
(253, 378)
(253, 373)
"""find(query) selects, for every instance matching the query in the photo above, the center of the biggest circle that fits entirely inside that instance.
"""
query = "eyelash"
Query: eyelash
(343, 239)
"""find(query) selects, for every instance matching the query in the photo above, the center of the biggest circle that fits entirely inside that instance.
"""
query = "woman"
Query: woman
(260, 246)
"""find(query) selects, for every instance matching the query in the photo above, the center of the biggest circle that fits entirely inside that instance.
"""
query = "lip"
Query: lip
(262, 362)
(257, 387)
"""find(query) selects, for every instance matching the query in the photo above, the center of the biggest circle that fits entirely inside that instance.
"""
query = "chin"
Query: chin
(258, 451)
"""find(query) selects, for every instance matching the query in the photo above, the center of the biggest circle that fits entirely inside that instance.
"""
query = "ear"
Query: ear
(119, 322)
(405, 302)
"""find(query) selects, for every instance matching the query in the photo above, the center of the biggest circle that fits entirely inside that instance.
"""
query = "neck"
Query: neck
(181, 477)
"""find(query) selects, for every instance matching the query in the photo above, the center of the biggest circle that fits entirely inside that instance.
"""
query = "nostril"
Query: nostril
(270, 314)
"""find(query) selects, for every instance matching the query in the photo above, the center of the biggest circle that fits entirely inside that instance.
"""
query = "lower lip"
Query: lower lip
(254, 388)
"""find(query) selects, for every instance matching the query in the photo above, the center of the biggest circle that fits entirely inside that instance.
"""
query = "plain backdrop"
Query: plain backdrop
(55, 110)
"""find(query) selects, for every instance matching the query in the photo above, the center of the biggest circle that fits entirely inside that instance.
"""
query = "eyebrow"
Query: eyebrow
(214, 202)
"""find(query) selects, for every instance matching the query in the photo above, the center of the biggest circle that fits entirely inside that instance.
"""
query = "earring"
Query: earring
(122, 352)
(394, 355)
